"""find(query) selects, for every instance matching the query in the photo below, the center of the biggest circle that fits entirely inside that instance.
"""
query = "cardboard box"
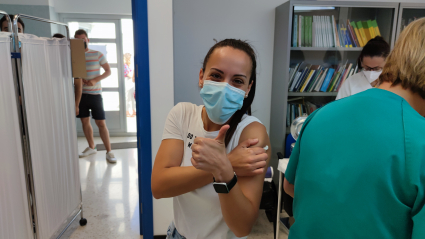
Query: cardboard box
(78, 58)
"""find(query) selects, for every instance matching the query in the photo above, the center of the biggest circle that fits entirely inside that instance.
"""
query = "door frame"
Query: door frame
(143, 104)
(66, 17)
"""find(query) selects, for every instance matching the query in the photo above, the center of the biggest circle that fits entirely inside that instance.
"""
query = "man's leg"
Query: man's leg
(88, 131)
(104, 134)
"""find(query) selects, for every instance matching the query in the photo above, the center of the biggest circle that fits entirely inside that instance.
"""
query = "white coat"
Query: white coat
(353, 85)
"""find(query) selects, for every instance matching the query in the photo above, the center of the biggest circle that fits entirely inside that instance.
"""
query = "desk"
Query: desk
(281, 168)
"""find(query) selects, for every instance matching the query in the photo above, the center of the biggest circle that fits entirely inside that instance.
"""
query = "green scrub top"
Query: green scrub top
(359, 170)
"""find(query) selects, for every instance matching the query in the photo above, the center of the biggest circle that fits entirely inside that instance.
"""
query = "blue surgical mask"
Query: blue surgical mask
(221, 100)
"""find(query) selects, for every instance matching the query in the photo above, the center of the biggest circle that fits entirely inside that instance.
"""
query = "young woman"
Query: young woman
(205, 161)
(129, 86)
(371, 60)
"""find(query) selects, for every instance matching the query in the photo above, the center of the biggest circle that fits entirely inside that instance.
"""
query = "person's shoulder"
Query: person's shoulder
(186, 106)
(414, 126)
(184, 109)
(248, 119)
(250, 123)
(91, 51)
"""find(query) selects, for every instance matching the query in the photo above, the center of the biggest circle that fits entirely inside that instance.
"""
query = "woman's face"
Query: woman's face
(375, 63)
(230, 65)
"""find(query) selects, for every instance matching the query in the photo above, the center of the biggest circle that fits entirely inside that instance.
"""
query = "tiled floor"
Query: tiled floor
(110, 194)
(110, 197)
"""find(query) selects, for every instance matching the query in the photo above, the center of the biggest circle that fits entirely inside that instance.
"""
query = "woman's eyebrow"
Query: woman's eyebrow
(239, 75)
(218, 70)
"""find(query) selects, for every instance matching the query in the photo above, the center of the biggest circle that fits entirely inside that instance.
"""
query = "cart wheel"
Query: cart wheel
(83, 222)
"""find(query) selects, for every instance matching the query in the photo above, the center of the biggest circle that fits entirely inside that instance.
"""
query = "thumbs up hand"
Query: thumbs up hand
(210, 155)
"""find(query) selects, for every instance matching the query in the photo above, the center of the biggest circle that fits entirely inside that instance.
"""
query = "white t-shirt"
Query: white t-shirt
(197, 214)
(354, 84)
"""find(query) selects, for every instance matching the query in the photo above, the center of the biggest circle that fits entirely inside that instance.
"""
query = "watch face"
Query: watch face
(221, 188)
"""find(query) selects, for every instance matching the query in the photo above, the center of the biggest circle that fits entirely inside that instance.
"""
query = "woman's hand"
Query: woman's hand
(248, 161)
(210, 155)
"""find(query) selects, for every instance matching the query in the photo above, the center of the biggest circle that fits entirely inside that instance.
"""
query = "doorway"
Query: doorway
(113, 36)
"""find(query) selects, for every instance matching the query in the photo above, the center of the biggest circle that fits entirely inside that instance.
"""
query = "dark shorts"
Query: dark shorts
(95, 104)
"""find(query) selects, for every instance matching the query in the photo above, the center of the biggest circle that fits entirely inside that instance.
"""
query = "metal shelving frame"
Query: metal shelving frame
(20, 87)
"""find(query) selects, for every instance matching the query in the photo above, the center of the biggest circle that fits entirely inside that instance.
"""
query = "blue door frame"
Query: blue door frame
(143, 104)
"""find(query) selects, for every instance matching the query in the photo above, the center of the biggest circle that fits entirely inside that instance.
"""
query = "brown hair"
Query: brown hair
(376, 47)
(246, 107)
(406, 63)
(81, 32)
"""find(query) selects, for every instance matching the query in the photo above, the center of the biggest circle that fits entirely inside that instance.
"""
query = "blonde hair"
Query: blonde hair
(127, 59)
(406, 63)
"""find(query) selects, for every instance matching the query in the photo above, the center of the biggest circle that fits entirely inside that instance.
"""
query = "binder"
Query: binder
(313, 32)
(301, 78)
(329, 26)
(321, 80)
(362, 32)
(314, 80)
(371, 29)
(366, 30)
(375, 26)
(309, 31)
(288, 115)
(325, 24)
(356, 31)
(344, 35)
(302, 31)
(327, 79)
(296, 77)
(334, 79)
(341, 39)
(352, 35)
(311, 76)
(307, 79)
(299, 30)
(335, 36)
(347, 36)
(344, 77)
(295, 33)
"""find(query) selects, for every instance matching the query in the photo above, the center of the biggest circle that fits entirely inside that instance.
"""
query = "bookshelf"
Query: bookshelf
(300, 94)
(407, 13)
(286, 54)
(326, 49)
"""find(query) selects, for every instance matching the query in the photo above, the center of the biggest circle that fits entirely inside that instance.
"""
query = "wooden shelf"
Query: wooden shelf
(312, 94)
(326, 48)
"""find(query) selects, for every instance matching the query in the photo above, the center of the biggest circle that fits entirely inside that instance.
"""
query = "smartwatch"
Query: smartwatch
(225, 187)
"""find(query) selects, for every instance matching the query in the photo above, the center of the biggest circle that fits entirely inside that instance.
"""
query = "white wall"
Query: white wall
(197, 23)
(119, 7)
(160, 19)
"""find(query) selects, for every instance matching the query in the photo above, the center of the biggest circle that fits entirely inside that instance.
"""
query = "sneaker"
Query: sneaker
(110, 157)
(88, 151)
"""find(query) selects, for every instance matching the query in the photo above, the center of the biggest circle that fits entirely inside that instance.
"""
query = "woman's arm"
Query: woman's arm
(168, 178)
(240, 206)
(289, 188)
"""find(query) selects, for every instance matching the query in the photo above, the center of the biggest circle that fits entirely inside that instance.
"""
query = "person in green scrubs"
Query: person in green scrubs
(358, 167)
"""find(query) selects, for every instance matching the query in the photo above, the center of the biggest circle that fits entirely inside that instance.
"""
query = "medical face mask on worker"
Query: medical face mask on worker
(371, 76)
(221, 100)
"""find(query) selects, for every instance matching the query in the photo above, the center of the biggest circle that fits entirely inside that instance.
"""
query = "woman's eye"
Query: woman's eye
(217, 76)
(238, 81)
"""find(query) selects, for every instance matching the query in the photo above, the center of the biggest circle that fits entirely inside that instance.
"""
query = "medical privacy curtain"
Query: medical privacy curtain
(14, 211)
(49, 99)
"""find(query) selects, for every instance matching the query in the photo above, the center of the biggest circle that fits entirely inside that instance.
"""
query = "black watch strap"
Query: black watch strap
(225, 187)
